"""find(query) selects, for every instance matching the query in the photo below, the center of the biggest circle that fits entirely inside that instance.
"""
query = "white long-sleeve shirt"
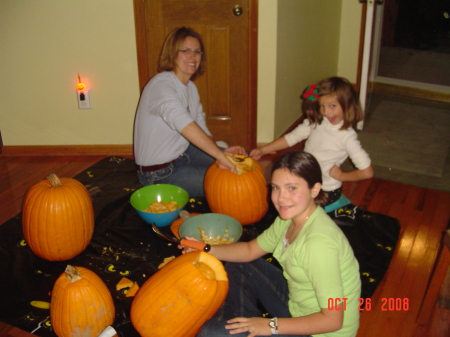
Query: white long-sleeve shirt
(166, 106)
(330, 146)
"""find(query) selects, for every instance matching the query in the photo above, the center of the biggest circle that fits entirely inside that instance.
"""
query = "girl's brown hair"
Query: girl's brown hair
(303, 165)
(346, 96)
(171, 48)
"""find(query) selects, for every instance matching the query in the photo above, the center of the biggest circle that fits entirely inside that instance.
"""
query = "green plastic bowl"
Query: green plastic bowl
(143, 197)
(212, 225)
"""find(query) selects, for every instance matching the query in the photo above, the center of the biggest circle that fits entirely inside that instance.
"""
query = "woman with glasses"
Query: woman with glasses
(172, 144)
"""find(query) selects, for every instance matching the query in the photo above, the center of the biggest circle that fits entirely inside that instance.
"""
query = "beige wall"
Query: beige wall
(313, 40)
(308, 45)
(349, 35)
(46, 43)
(267, 68)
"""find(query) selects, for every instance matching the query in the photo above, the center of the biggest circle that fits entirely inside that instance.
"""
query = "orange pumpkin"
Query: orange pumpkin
(180, 297)
(81, 304)
(57, 218)
(242, 196)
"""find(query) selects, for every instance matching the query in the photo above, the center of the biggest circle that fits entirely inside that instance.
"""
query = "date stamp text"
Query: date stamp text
(365, 304)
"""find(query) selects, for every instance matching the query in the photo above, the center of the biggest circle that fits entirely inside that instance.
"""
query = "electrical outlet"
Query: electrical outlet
(84, 99)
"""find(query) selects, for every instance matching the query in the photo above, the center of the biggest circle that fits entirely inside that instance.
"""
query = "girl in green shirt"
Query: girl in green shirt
(317, 290)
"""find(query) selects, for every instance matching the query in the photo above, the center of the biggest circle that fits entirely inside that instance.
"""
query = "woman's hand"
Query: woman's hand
(255, 326)
(235, 150)
(226, 164)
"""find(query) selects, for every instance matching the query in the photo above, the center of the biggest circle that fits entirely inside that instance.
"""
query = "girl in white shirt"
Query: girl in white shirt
(331, 109)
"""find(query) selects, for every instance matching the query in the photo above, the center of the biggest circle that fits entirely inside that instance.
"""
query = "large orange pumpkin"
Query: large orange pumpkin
(180, 297)
(242, 196)
(57, 218)
(81, 304)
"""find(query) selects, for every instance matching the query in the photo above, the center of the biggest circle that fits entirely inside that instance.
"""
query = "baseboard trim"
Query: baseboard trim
(390, 89)
(68, 150)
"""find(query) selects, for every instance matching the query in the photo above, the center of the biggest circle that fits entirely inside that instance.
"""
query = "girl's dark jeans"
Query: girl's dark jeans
(251, 285)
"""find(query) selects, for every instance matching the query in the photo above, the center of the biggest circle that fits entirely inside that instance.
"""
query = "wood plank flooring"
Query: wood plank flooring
(423, 214)
(18, 174)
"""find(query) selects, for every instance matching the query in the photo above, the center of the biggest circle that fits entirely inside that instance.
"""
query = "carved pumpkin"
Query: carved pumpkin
(180, 297)
(81, 304)
(242, 196)
(57, 218)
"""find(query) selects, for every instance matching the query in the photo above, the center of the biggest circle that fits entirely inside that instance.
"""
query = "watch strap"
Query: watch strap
(274, 326)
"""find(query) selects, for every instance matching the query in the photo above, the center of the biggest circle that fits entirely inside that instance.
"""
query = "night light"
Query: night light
(83, 95)
(80, 85)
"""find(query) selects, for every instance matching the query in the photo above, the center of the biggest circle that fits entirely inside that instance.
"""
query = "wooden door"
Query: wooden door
(228, 87)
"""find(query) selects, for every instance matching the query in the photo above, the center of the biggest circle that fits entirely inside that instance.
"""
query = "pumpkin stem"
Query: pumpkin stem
(72, 274)
(54, 180)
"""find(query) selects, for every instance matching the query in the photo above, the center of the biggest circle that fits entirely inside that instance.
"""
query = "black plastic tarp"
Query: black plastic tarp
(124, 245)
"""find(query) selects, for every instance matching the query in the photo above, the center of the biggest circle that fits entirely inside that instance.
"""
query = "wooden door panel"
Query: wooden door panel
(225, 88)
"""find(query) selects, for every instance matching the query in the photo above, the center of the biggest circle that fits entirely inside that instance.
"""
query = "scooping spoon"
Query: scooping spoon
(184, 242)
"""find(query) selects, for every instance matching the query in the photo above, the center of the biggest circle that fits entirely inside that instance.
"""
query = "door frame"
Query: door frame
(365, 53)
(143, 69)
(384, 85)
(375, 54)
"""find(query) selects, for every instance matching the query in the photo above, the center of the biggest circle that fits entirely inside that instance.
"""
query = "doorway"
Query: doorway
(411, 45)
(405, 109)
(229, 30)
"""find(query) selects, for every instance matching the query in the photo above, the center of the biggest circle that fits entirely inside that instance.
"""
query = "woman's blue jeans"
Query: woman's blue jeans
(187, 172)
(251, 285)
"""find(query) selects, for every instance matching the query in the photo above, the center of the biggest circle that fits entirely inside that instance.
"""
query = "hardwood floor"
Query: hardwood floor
(423, 214)
(18, 174)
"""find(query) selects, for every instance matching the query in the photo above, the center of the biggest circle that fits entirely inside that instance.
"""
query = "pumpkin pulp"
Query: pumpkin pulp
(242, 163)
(205, 270)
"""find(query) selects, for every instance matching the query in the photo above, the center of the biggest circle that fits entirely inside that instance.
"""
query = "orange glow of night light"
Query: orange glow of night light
(80, 85)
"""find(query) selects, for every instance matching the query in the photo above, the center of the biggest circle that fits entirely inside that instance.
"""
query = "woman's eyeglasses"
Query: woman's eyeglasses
(190, 52)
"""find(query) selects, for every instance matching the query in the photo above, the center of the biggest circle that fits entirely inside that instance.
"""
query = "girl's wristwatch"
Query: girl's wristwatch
(273, 324)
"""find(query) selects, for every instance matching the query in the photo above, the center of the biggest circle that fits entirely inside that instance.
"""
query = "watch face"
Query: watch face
(272, 324)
